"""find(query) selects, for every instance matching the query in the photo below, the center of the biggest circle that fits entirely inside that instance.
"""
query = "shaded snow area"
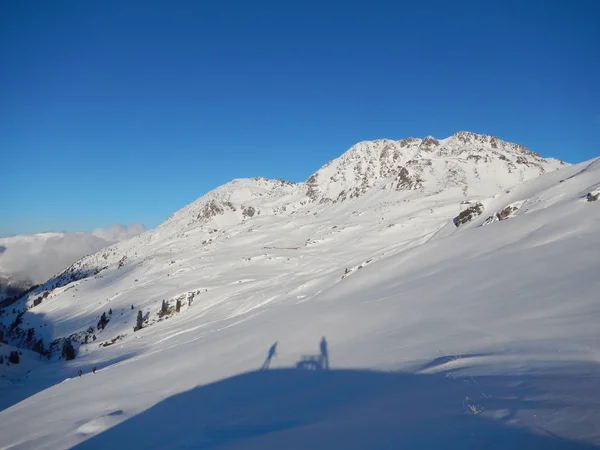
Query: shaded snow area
(482, 335)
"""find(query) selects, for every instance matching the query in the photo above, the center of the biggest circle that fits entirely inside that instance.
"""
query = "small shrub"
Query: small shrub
(14, 357)
(30, 335)
(38, 347)
(102, 322)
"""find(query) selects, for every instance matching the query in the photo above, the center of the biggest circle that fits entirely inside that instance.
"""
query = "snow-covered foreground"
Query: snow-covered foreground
(482, 336)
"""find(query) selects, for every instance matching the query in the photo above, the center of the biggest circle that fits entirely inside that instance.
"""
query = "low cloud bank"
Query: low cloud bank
(36, 258)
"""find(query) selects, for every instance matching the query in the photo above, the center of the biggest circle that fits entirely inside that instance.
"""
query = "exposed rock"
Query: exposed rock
(404, 181)
(468, 214)
(591, 197)
(248, 211)
(210, 210)
(490, 219)
(230, 206)
(312, 192)
(476, 158)
(507, 212)
(429, 143)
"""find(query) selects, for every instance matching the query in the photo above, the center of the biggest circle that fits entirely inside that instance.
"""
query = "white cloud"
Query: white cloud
(118, 232)
(37, 257)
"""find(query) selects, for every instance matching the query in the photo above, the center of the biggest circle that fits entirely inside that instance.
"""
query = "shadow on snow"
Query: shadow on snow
(350, 409)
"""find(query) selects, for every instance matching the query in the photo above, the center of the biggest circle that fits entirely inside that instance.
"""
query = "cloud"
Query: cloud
(37, 257)
(118, 232)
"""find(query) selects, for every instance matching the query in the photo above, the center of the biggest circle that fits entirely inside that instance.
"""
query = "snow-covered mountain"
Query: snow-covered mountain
(465, 162)
(468, 263)
(463, 166)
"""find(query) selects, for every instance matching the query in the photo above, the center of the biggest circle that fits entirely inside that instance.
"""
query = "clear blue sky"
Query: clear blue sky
(122, 111)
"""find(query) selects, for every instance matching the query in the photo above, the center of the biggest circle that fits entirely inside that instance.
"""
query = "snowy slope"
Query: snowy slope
(493, 323)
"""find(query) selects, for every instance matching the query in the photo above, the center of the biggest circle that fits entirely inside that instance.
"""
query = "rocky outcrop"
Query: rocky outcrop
(468, 214)
(507, 212)
(248, 211)
(210, 210)
(405, 181)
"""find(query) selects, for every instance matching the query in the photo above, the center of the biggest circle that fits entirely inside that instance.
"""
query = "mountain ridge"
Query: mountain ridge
(466, 164)
(387, 164)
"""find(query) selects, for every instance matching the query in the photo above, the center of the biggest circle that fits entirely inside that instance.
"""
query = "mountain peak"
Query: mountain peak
(474, 163)
(468, 163)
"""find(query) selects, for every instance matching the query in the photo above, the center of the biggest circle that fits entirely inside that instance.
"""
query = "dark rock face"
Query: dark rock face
(404, 181)
(313, 187)
(249, 211)
(468, 214)
(210, 210)
(592, 198)
(506, 212)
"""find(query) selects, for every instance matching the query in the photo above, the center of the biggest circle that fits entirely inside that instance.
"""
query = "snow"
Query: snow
(439, 336)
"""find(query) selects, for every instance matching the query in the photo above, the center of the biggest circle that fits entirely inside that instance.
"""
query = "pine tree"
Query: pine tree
(178, 305)
(14, 358)
(30, 334)
(139, 321)
(164, 309)
(68, 351)
(38, 347)
(110, 312)
(102, 322)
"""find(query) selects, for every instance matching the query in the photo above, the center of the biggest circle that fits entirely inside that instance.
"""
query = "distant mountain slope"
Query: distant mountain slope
(29, 259)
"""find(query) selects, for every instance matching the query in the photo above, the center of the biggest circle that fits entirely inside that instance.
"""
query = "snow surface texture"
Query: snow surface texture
(482, 335)
(31, 259)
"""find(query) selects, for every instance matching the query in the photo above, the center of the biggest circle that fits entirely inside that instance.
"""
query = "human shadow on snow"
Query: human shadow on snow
(349, 409)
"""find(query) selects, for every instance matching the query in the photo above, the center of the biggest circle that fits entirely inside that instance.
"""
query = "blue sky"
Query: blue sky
(117, 111)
